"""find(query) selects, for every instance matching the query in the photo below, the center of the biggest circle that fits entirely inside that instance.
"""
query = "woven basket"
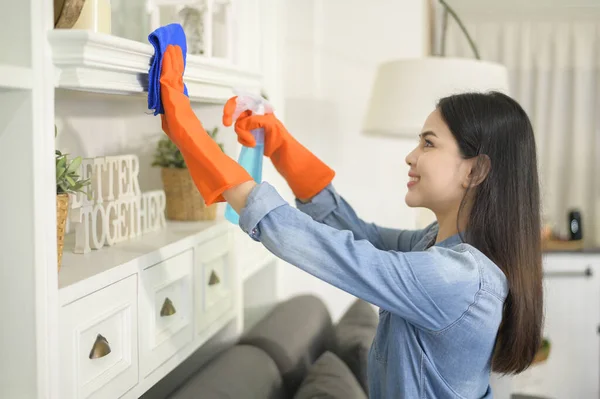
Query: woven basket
(184, 201)
(62, 210)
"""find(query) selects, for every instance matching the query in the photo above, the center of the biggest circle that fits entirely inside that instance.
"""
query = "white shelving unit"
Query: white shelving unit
(51, 319)
(81, 274)
(90, 61)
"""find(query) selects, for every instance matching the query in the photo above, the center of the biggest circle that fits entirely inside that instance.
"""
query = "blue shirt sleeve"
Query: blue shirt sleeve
(330, 208)
(431, 289)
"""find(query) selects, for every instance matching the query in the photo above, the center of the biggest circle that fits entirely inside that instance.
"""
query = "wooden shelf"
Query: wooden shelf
(97, 62)
(15, 77)
(562, 245)
(81, 274)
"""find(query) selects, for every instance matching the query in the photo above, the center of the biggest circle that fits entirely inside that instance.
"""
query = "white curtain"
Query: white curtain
(553, 58)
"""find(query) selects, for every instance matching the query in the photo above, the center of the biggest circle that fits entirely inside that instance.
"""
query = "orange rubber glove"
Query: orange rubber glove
(212, 170)
(306, 174)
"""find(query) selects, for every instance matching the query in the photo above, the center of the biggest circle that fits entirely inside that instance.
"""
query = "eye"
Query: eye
(427, 143)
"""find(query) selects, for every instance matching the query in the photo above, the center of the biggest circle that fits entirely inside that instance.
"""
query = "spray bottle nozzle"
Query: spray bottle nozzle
(253, 102)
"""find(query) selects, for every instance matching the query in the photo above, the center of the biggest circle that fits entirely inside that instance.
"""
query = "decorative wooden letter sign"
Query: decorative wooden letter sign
(117, 210)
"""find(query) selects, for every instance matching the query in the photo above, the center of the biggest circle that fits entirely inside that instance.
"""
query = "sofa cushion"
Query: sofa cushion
(295, 333)
(239, 372)
(330, 378)
(354, 336)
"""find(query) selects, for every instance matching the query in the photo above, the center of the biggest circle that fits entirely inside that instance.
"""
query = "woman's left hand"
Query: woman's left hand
(212, 170)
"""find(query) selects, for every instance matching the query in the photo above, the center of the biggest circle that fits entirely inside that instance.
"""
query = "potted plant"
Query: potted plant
(543, 352)
(184, 201)
(68, 182)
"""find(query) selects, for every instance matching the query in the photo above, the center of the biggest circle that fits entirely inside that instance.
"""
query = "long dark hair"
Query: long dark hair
(504, 221)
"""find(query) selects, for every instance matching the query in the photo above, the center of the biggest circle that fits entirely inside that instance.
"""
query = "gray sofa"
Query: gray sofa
(294, 352)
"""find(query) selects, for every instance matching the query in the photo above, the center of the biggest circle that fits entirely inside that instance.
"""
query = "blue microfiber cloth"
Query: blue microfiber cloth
(160, 39)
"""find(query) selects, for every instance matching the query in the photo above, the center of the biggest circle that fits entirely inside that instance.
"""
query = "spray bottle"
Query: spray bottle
(251, 158)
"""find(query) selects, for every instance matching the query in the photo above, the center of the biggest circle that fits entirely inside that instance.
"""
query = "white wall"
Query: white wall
(332, 49)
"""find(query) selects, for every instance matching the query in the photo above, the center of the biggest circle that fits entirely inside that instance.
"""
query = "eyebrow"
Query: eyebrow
(427, 133)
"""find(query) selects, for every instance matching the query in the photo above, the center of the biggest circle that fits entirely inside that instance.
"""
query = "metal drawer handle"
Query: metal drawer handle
(587, 273)
(213, 279)
(168, 309)
(100, 348)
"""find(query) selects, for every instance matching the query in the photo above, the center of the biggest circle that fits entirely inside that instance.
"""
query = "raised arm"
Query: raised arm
(330, 208)
(431, 289)
(310, 180)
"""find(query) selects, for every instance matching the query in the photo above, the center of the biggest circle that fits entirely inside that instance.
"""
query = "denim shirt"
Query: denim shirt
(440, 305)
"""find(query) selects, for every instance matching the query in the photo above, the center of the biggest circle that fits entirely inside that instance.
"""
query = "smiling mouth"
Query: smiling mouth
(412, 181)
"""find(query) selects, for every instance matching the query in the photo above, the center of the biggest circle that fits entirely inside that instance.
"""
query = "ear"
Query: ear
(480, 167)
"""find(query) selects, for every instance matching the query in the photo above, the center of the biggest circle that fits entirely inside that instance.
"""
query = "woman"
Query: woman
(459, 298)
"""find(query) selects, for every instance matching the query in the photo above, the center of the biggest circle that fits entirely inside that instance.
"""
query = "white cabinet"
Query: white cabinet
(157, 300)
(214, 281)
(166, 310)
(98, 343)
(572, 319)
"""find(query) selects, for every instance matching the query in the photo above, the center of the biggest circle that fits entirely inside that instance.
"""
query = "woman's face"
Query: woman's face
(439, 176)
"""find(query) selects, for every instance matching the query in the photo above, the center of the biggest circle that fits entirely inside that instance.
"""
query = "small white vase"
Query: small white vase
(95, 16)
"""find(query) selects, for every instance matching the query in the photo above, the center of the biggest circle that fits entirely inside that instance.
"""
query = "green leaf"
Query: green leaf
(60, 173)
(74, 166)
(68, 179)
(62, 162)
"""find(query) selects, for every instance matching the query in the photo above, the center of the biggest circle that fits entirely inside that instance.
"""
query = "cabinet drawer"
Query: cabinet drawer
(166, 301)
(214, 280)
(98, 343)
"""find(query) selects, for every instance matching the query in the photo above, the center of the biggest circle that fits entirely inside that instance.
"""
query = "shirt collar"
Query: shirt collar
(449, 242)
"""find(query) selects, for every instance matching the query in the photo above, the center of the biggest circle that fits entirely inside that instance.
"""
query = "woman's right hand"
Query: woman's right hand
(306, 174)
(275, 132)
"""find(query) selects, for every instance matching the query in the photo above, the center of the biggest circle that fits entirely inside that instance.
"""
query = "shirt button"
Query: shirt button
(254, 231)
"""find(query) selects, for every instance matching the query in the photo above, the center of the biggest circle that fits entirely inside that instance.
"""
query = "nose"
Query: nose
(411, 158)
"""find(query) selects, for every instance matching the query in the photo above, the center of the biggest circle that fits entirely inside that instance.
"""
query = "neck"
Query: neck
(448, 226)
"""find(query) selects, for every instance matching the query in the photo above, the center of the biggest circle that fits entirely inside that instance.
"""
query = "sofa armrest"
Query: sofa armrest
(239, 372)
(294, 334)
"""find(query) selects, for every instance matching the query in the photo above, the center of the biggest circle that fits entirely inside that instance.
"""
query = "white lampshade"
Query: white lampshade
(406, 91)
